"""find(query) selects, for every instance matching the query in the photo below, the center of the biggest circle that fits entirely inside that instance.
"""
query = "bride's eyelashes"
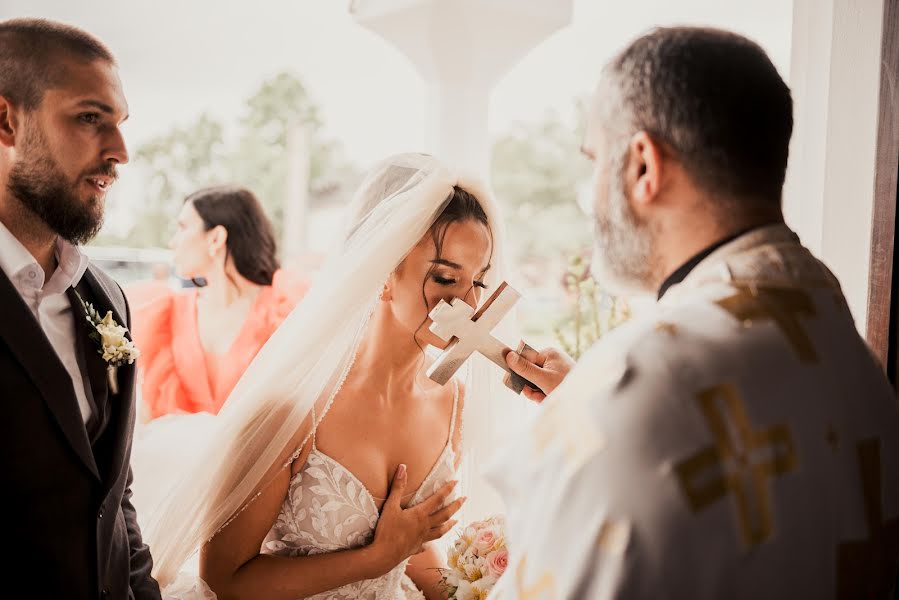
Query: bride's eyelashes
(444, 281)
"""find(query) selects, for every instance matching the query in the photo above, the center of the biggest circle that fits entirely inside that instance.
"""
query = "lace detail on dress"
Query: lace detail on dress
(328, 509)
(299, 450)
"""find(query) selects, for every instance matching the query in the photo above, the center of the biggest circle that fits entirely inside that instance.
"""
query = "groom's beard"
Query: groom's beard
(623, 251)
(40, 185)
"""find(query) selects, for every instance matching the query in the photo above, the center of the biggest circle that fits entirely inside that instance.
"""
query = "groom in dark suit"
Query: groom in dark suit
(68, 410)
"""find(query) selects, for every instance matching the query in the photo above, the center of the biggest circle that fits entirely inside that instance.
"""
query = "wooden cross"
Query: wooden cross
(468, 332)
(741, 462)
(866, 569)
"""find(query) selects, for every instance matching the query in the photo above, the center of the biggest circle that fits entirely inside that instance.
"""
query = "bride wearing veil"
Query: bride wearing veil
(332, 466)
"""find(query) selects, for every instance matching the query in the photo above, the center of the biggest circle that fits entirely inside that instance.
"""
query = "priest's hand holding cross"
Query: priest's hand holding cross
(469, 331)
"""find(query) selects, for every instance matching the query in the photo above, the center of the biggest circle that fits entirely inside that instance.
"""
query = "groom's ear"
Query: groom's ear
(8, 125)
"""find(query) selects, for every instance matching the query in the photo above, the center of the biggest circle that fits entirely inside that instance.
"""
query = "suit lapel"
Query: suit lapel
(118, 407)
(28, 342)
(109, 298)
(94, 367)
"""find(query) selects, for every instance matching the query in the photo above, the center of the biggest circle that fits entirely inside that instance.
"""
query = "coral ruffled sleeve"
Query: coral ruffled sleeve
(178, 375)
(152, 330)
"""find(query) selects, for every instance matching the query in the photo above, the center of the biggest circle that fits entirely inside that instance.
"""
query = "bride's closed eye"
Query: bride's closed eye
(444, 281)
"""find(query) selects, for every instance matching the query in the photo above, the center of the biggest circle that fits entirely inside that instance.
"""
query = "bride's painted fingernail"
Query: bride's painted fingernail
(401, 472)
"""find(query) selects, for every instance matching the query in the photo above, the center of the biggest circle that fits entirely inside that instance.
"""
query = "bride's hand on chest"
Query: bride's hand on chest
(403, 532)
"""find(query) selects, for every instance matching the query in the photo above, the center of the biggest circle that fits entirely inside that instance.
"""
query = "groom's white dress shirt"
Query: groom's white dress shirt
(48, 302)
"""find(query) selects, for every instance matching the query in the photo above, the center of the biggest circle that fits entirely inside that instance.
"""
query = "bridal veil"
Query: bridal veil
(306, 360)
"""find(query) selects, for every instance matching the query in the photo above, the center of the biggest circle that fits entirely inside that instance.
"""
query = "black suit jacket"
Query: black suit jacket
(68, 499)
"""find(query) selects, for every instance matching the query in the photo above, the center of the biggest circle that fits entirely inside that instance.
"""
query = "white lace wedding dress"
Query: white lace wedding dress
(327, 509)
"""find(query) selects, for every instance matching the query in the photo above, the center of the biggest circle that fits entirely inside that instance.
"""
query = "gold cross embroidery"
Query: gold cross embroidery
(740, 462)
(783, 306)
(865, 569)
(545, 585)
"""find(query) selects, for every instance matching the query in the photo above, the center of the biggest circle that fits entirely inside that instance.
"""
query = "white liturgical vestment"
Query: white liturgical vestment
(737, 441)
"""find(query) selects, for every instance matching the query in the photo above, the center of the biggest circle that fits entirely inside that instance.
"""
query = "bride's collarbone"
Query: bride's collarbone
(371, 444)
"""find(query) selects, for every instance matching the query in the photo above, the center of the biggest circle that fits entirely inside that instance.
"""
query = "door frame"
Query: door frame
(883, 278)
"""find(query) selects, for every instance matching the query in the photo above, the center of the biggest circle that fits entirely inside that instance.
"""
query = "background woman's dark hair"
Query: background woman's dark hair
(251, 238)
(462, 206)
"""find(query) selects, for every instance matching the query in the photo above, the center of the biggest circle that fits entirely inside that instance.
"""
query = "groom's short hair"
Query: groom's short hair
(714, 98)
(33, 53)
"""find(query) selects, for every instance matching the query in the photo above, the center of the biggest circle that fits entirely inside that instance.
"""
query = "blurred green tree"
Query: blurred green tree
(539, 174)
(537, 171)
(201, 153)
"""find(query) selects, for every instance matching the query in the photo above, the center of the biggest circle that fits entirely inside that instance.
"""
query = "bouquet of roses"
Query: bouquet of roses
(477, 560)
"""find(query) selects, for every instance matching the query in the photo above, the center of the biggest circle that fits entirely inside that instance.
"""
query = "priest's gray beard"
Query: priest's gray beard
(623, 251)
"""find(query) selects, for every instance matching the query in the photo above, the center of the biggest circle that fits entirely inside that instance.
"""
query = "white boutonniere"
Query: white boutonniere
(113, 345)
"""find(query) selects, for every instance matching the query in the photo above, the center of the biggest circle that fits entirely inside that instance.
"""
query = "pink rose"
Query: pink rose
(497, 562)
(484, 542)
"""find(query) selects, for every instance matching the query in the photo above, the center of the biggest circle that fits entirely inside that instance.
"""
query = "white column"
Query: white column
(829, 193)
(293, 241)
(462, 48)
(457, 125)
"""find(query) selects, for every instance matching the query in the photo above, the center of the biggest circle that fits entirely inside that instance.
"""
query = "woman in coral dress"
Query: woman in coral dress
(196, 343)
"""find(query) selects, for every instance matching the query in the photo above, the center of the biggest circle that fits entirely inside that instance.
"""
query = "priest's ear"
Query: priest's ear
(645, 169)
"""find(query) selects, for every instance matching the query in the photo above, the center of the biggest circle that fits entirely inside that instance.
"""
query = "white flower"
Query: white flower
(462, 544)
(477, 559)
(465, 591)
(115, 347)
(472, 571)
(482, 588)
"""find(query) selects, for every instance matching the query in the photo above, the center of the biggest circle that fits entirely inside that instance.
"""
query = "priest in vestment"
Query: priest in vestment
(738, 440)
